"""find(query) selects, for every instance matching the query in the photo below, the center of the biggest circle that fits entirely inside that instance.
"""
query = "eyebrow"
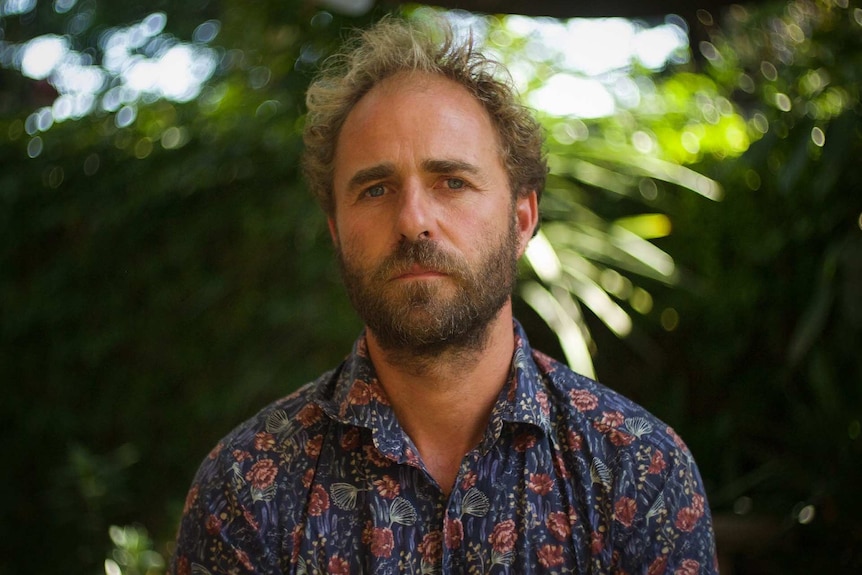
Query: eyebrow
(368, 175)
(449, 166)
(386, 170)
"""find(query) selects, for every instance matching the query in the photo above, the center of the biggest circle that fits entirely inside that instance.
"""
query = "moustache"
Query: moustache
(423, 253)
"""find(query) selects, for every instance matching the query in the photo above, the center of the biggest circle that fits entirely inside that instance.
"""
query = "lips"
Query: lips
(418, 271)
(418, 260)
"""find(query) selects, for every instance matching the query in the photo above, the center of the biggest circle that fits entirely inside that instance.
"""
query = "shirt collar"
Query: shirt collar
(524, 398)
(357, 398)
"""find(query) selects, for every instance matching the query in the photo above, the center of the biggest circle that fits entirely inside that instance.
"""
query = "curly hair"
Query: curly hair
(393, 46)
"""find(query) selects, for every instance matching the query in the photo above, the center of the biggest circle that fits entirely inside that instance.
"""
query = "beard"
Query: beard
(424, 318)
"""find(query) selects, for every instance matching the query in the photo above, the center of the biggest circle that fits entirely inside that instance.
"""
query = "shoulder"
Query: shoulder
(283, 427)
(595, 410)
(634, 465)
(252, 482)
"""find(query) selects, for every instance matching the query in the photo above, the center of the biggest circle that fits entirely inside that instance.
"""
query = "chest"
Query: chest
(509, 510)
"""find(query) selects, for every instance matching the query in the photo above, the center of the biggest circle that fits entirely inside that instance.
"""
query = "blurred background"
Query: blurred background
(164, 273)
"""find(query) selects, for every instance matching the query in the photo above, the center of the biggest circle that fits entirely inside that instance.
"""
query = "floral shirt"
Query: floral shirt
(570, 477)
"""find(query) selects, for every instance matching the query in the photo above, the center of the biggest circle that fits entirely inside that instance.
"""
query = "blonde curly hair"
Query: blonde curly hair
(392, 46)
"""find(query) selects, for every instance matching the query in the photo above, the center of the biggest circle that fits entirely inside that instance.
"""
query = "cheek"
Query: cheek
(360, 239)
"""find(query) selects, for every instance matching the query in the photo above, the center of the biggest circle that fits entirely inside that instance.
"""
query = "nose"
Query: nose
(415, 212)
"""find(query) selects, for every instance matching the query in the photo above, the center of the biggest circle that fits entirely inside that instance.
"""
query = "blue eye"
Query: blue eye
(375, 191)
(455, 183)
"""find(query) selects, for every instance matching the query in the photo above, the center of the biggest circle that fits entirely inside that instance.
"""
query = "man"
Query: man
(443, 443)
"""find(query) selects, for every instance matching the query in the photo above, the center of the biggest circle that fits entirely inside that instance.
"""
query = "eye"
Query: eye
(455, 183)
(375, 191)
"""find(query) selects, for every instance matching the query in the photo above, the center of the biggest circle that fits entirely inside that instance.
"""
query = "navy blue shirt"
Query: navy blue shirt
(569, 477)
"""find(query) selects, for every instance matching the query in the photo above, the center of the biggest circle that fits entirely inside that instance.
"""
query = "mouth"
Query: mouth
(418, 272)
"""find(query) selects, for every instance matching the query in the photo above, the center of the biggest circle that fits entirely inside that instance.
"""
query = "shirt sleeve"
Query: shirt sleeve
(673, 526)
(219, 532)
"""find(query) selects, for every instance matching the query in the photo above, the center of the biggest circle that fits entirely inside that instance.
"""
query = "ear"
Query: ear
(333, 230)
(527, 216)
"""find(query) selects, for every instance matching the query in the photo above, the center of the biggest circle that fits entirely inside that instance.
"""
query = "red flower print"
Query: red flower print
(503, 537)
(191, 497)
(244, 559)
(309, 415)
(658, 566)
(351, 439)
(676, 439)
(657, 464)
(431, 547)
(308, 477)
(360, 393)
(249, 518)
(387, 487)
(240, 455)
(297, 535)
(620, 438)
(216, 450)
(183, 566)
(264, 441)
(313, 446)
(613, 418)
(686, 519)
(453, 533)
(688, 567)
(262, 474)
(544, 362)
(697, 503)
(318, 503)
(624, 510)
(551, 555)
(559, 525)
(597, 542)
(213, 524)
(540, 483)
(560, 466)
(375, 457)
(469, 480)
(378, 394)
(382, 542)
(574, 440)
(523, 442)
(583, 400)
(412, 458)
(542, 399)
(337, 566)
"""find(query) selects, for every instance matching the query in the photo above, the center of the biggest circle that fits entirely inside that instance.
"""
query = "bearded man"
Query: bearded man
(443, 443)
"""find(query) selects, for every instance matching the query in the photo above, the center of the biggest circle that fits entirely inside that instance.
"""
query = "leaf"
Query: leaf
(657, 506)
(237, 476)
(266, 494)
(402, 512)
(638, 426)
(567, 328)
(278, 422)
(498, 558)
(475, 503)
(600, 473)
(344, 495)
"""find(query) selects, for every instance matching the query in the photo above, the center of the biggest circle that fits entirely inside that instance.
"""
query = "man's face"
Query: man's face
(425, 227)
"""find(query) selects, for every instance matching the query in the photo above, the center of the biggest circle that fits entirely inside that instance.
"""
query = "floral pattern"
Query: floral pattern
(569, 477)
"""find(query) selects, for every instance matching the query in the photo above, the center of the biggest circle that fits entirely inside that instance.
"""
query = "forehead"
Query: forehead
(420, 114)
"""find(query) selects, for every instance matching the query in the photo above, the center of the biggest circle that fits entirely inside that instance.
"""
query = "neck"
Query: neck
(443, 402)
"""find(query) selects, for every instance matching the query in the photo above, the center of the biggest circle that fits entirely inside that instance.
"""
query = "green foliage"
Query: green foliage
(133, 553)
(772, 336)
(159, 279)
(163, 271)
